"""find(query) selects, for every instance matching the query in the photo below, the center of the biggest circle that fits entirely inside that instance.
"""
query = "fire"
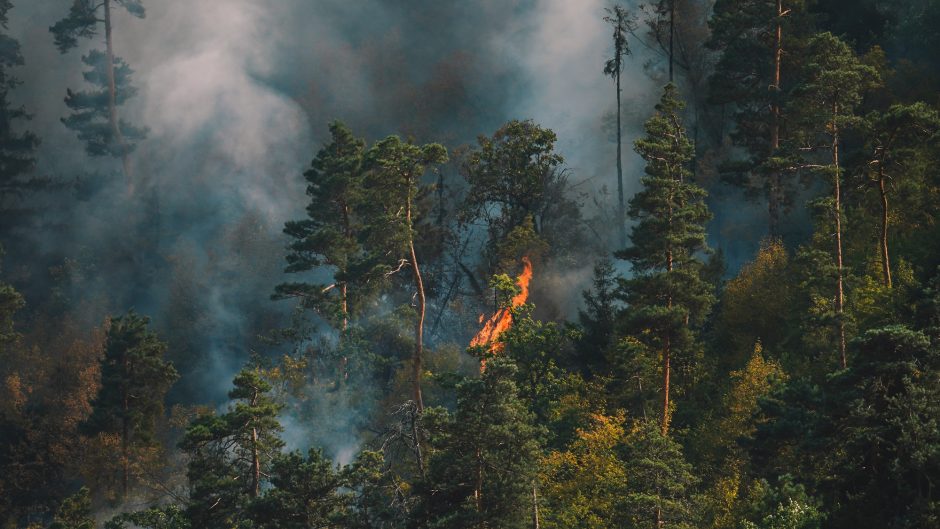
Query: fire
(502, 319)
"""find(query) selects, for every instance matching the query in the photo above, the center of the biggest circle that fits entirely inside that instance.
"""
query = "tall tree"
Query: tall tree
(893, 137)
(74, 512)
(516, 184)
(394, 183)
(331, 234)
(825, 103)
(95, 119)
(482, 457)
(619, 19)
(231, 454)
(17, 149)
(667, 294)
(659, 481)
(754, 37)
(134, 381)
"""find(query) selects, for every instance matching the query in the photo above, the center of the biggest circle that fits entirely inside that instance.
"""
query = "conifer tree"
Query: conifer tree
(95, 116)
(482, 457)
(134, 381)
(331, 234)
(619, 19)
(659, 481)
(231, 454)
(17, 148)
(759, 42)
(667, 295)
(825, 102)
(394, 184)
(893, 138)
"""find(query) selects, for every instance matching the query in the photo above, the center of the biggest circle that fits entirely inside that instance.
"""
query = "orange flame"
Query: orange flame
(501, 321)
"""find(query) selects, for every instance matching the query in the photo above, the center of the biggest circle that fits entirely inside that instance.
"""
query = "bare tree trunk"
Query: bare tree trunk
(672, 37)
(621, 211)
(535, 508)
(113, 118)
(885, 258)
(416, 364)
(255, 464)
(125, 431)
(840, 293)
(255, 455)
(667, 354)
(773, 199)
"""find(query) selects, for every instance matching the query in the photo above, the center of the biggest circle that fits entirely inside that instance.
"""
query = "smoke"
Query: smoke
(237, 94)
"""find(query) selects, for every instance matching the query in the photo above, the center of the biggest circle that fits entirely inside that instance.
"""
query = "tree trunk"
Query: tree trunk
(773, 199)
(419, 327)
(535, 508)
(621, 211)
(478, 488)
(885, 258)
(672, 37)
(125, 431)
(840, 293)
(667, 354)
(255, 465)
(113, 118)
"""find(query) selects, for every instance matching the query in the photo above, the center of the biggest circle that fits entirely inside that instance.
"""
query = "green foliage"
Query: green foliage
(660, 482)
(134, 381)
(230, 454)
(332, 234)
(75, 512)
(82, 21)
(482, 457)
(304, 493)
(667, 295)
(17, 148)
(90, 118)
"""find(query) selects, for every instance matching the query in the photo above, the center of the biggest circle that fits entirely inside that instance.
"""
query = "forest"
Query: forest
(495, 264)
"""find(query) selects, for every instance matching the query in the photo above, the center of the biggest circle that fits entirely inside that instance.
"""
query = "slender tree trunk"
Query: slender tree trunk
(125, 431)
(621, 211)
(535, 508)
(774, 193)
(255, 455)
(885, 258)
(113, 118)
(672, 37)
(419, 455)
(478, 488)
(419, 327)
(667, 357)
(840, 293)
(255, 465)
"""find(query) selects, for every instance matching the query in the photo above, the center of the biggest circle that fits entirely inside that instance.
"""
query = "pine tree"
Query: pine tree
(134, 381)
(893, 138)
(833, 87)
(95, 116)
(331, 234)
(394, 184)
(659, 481)
(759, 42)
(231, 454)
(304, 493)
(482, 458)
(619, 19)
(667, 295)
(17, 149)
